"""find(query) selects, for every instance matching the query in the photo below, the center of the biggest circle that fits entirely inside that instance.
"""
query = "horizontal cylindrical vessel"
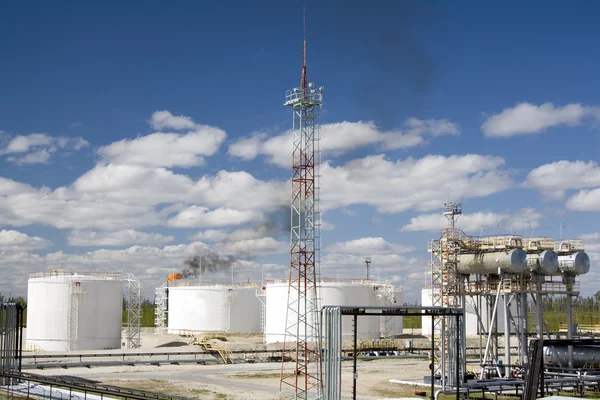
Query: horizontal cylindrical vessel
(545, 263)
(74, 311)
(582, 355)
(574, 264)
(513, 261)
(209, 308)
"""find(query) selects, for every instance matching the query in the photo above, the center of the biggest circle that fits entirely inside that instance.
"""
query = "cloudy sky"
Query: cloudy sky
(136, 135)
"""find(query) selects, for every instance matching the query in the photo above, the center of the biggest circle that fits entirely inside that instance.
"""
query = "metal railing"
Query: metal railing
(76, 275)
(298, 95)
(568, 245)
(36, 386)
(179, 283)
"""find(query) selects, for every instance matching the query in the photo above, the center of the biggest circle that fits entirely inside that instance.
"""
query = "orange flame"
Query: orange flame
(172, 277)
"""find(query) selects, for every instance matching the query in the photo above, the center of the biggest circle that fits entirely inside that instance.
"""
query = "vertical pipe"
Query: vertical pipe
(539, 310)
(432, 356)
(523, 327)
(443, 363)
(354, 375)
(570, 322)
(458, 358)
(506, 335)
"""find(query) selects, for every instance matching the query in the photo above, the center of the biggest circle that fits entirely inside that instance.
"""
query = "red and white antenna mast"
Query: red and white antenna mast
(301, 378)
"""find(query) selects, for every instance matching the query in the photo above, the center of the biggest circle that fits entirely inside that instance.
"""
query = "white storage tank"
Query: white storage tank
(74, 311)
(331, 293)
(213, 308)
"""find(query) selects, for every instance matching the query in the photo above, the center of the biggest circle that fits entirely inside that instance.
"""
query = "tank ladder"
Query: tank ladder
(76, 292)
(261, 294)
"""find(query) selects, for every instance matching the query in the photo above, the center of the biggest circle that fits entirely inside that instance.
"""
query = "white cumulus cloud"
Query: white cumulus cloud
(38, 148)
(585, 200)
(165, 120)
(117, 238)
(367, 246)
(552, 179)
(422, 184)
(198, 217)
(340, 137)
(526, 118)
(485, 223)
(166, 149)
(15, 241)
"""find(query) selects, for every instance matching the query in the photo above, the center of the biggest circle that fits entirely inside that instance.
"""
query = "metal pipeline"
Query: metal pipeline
(582, 355)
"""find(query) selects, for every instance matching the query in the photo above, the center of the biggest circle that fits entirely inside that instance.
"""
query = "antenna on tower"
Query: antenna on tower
(367, 264)
(303, 82)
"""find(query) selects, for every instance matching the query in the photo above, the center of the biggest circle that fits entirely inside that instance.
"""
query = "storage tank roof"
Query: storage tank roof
(63, 275)
(184, 283)
(336, 282)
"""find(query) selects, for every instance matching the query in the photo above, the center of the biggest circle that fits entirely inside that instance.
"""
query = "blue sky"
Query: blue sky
(490, 104)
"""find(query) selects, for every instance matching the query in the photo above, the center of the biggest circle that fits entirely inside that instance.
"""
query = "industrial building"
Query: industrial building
(74, 311)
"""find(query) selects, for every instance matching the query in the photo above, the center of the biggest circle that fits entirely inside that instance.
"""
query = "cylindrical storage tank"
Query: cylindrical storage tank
(512, 261)
(545, 263)
(74, 311)
(213, 308)
(574, 264)
(332, 293)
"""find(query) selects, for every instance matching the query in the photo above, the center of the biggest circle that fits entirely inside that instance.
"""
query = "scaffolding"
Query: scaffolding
(134, 312)
(160, 312)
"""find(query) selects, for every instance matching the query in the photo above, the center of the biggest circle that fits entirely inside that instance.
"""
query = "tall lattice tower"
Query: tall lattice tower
(446, 292)
(301, 342)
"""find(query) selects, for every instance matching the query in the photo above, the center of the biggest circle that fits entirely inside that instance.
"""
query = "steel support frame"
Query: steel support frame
(301, 340)
(332, 341)
(134, 312)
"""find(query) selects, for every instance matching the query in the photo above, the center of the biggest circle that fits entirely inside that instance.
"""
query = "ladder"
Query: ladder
(216, 344)
(74, 315)
(261, 294)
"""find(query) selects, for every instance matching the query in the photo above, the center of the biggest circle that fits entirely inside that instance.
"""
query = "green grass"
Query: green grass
(147, 316)
(411, 322)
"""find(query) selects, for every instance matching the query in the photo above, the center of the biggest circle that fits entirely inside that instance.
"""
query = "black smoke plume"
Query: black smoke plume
(277, 222)
(210, 262)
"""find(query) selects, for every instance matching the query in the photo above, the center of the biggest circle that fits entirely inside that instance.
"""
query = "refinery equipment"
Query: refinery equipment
(339, 293)
(74, 311)
(195, 308)
(494, 279)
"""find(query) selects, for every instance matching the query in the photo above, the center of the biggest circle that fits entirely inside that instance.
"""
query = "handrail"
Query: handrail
(107, 390)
